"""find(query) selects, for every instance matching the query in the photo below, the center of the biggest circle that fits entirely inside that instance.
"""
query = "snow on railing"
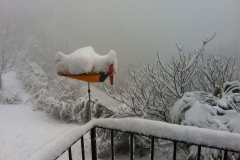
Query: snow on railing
(155, 129)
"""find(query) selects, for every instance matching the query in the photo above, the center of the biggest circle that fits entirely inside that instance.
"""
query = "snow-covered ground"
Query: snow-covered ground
(22, 130)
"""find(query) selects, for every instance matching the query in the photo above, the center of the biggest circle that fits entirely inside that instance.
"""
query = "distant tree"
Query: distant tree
(8, 48)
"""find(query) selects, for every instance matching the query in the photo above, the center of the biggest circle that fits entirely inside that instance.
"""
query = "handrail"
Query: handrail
(154, 129)
(60, 144)
(187, 134)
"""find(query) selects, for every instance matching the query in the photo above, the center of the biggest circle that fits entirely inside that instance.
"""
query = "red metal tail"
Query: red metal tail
(111, 72)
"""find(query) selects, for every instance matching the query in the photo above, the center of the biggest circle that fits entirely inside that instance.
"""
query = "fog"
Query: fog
(136, 29)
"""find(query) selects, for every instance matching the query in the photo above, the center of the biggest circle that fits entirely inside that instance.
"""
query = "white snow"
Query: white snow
(23, 131)
(175, 132)
(85, 60)
(147, 127)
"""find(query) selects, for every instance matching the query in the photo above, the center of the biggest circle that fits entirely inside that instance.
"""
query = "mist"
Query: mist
(136, 30)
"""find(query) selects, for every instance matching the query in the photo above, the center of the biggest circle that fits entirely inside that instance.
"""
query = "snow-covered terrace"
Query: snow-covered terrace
(192, 135)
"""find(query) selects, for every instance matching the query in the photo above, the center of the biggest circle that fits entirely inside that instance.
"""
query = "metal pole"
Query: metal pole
(174, 150)
(112, 145)
(152, 149)
(131, 143)
(93, 143)
(89, 115)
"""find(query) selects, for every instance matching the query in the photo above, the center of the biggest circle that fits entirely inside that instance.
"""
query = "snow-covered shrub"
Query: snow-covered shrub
(9, 98)
(215, 70)
(33, 77)
(34, 80)
(204, 110)
(67, 99)
(152, 92)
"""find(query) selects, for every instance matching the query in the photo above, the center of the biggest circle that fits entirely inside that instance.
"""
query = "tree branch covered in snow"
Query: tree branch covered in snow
(215, 70)
(8, 48)
(159, 85)
(152, 92)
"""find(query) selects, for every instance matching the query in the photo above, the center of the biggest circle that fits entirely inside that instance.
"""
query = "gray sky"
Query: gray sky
(135, 29)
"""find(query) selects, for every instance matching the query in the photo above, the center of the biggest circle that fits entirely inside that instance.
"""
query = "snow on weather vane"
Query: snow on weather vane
(87, 65)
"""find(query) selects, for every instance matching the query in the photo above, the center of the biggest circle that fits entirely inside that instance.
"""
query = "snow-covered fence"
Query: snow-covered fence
(156, 130)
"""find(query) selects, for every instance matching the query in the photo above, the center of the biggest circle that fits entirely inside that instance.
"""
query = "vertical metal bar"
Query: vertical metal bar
(112, 145)
(93, 143)
(199, 153)
(225, 154)
(152, 149)
(174, 150)
(131, 143)
(70, 153)
(82, 146)
(89, 110)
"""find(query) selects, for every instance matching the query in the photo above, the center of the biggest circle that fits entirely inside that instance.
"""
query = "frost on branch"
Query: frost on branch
(215, 70)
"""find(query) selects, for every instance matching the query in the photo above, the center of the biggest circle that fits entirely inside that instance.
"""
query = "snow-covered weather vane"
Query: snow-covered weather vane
(87, 65)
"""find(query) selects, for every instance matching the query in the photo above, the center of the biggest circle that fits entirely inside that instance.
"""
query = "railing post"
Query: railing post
(70, 153)
(93, 143)
(82, 145)
(174, 150)
(225, 155)
(131, 143)
(199, 153)
(152, 149)
(112, 145)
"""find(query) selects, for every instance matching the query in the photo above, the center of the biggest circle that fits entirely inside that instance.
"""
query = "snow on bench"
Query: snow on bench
(198, 136)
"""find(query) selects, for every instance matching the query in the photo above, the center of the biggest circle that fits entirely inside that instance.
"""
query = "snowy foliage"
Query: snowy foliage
(85, 60)
(215, 70)
(152, 92)
(66, 99)
(204, 110)
(33, 78)
(8, 47)
(158, 86)
(9, 98)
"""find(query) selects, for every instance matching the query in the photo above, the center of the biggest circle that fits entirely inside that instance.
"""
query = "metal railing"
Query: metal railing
(94, 146)
(224, 141)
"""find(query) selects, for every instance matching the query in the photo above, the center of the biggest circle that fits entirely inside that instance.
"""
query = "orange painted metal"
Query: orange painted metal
(87, 77)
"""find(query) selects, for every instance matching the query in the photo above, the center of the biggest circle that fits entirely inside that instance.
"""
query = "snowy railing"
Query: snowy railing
(160, 130)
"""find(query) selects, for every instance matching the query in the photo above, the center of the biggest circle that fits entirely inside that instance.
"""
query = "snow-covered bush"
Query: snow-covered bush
(67, 99)
(215, 70)
(9, 98)
(34, 80)
(204, 110)
(152, 92)
(155, 89)
(33, 77)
